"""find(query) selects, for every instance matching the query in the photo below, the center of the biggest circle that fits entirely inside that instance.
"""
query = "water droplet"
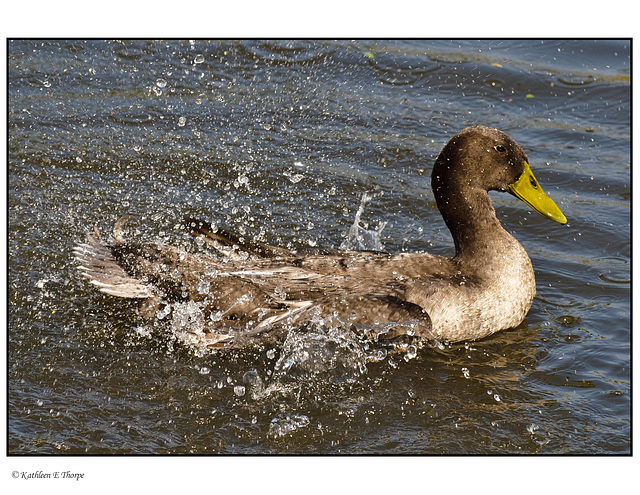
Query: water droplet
(199, 59)
(182, 121)
(412, 352)
(242, 180)
(203, 287)
(294, 178)
(280, 292)
(161, 83)
(204, 370)
(465, 372)
(239, 390)
(162, 313)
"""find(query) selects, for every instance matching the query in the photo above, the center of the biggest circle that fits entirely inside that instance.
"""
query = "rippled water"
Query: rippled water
(281, 141)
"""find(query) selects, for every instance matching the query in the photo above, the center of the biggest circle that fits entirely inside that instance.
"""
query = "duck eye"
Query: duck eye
(499, 148)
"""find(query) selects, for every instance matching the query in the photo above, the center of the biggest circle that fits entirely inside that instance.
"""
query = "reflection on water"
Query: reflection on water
(327, 144)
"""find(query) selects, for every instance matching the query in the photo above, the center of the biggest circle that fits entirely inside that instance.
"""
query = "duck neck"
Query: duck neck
(471, 219)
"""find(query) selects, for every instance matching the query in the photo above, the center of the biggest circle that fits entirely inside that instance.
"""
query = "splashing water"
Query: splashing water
(358, 237)
(286, 424)
(322, 350)
(326, 347)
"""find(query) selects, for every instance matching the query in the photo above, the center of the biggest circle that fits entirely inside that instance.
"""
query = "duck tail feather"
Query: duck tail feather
(230, 244)
(98, 264)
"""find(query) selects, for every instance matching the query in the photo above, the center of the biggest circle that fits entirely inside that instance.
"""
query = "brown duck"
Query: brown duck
(252, 289)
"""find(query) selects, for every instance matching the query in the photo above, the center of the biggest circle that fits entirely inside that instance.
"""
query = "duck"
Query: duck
(248, 290)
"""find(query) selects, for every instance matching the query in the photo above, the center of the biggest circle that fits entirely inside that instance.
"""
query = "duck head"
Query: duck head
(480, 159)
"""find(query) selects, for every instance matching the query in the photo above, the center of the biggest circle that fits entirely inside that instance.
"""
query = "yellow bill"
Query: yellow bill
(528, 190)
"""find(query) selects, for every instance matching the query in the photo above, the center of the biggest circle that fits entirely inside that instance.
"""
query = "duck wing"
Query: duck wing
(230, 244)
(249, 296)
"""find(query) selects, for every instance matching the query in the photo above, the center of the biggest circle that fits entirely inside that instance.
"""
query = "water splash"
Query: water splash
(325, 348)
(286, 424)
(358, 237)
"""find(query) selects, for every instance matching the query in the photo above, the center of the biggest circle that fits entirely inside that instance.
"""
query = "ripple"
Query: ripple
(616, 270)
(402, 72)
(576, 80)
(131, 52)
(569, 321)
(287, 52)
(608, 277)
(557, 300)
(134, 115)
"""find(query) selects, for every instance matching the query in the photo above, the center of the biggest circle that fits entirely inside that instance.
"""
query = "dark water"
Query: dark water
(279, 141)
